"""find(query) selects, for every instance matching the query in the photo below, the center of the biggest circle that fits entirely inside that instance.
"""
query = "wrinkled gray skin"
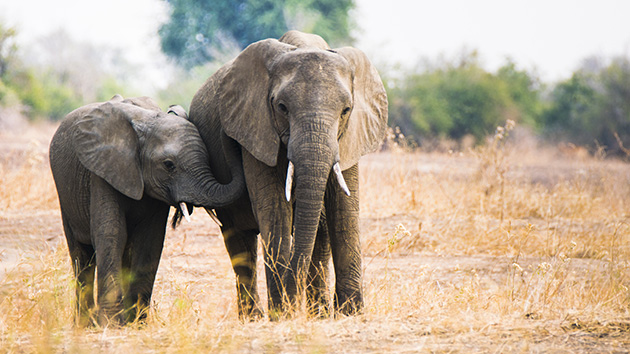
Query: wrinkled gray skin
(118, 167)
(294, 99)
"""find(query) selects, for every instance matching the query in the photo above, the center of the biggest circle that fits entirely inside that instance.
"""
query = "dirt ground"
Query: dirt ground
(195, 263)
(194, 257)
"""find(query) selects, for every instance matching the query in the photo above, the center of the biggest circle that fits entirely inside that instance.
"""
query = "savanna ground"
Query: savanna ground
(504, 248)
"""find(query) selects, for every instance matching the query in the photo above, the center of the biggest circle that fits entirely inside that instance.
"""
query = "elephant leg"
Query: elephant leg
(274, 215)
(242, 247)
(141, 262)
(317, 283)
(83, 264)
(342, 213)
(109, 237)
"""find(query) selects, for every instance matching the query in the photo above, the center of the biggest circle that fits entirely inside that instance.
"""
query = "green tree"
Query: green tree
(572, 103)
(593, 107)
(524, 90)
(451, 101)
(8, 48)
(199, 31)
(43, 95)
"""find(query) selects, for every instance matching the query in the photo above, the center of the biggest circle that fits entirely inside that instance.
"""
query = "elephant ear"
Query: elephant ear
(368, 121)
(177, 110)
(116, 98)
(243, 100)
(107, 145)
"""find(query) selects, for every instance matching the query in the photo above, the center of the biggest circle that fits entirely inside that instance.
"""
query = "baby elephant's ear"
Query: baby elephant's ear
(107, 145)
(177, 110)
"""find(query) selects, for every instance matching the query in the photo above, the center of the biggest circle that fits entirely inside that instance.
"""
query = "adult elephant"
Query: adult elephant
(303, 113)
(118, 167)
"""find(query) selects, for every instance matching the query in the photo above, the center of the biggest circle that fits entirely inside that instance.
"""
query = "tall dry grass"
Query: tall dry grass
(502, 248)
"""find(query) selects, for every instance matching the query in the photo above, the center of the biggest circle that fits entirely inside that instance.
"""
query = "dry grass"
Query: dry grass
(500, 249)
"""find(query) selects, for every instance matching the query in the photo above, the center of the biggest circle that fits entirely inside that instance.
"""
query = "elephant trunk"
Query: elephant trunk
(213, 194)
(200, 187)
(313, 156)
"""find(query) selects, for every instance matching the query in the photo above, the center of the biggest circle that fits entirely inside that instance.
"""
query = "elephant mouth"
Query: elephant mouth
(183, 209)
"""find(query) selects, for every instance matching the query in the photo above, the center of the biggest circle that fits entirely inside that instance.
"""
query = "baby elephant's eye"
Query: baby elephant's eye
(345, 111)
(283, 108)
(169, 165)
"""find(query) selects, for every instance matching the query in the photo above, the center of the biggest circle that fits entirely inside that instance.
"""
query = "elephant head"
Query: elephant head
(327, 107)
(138, 150)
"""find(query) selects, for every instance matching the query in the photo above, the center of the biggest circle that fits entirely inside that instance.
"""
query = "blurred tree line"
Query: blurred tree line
(457, 99)
(56, 74)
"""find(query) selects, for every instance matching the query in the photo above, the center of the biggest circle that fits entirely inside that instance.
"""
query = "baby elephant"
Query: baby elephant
(118, 167)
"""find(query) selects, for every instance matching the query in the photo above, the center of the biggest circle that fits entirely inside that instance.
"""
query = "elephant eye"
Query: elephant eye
(169, 165)
(345, 111)
(283, 108)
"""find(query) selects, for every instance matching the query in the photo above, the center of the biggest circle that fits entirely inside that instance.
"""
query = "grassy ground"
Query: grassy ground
(506, 248)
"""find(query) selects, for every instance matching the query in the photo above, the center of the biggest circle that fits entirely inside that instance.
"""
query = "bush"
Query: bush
(454, 101)
(593, 107)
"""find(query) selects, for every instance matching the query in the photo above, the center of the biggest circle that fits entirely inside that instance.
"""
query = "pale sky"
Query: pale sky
(550, 36)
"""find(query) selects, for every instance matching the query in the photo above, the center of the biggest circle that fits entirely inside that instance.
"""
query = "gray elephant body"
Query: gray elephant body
(118, 167)
(294, 104)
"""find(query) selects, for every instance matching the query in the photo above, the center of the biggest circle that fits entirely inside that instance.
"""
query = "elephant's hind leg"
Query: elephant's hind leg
(84, 265)
(242, 246)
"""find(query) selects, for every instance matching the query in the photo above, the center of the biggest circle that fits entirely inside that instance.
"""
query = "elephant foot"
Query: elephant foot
(349, 305)
(111, 317)
(318, 302)
(111, 320)
(319, 311)
(250, 314)
(86, 318)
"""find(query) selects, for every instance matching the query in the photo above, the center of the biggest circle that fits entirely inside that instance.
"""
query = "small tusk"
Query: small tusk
(214, 216)
(184, 209)
(289, 185)
(340, 179)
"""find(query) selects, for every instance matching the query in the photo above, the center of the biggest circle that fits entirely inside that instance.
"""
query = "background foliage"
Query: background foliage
(57, 74)
(201, 31)
(453, 99)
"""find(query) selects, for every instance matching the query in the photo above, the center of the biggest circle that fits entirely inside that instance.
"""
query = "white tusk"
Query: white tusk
(289, 185)
(340, 179)
(184, 209)
(214, 217)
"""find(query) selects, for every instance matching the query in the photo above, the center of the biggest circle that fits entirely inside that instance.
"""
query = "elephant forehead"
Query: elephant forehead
(171, 129)
(312, 62)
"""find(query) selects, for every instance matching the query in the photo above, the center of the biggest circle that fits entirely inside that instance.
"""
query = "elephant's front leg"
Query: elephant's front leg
(109, 236)
(342, 214)
(142, 258)
(274, 216)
